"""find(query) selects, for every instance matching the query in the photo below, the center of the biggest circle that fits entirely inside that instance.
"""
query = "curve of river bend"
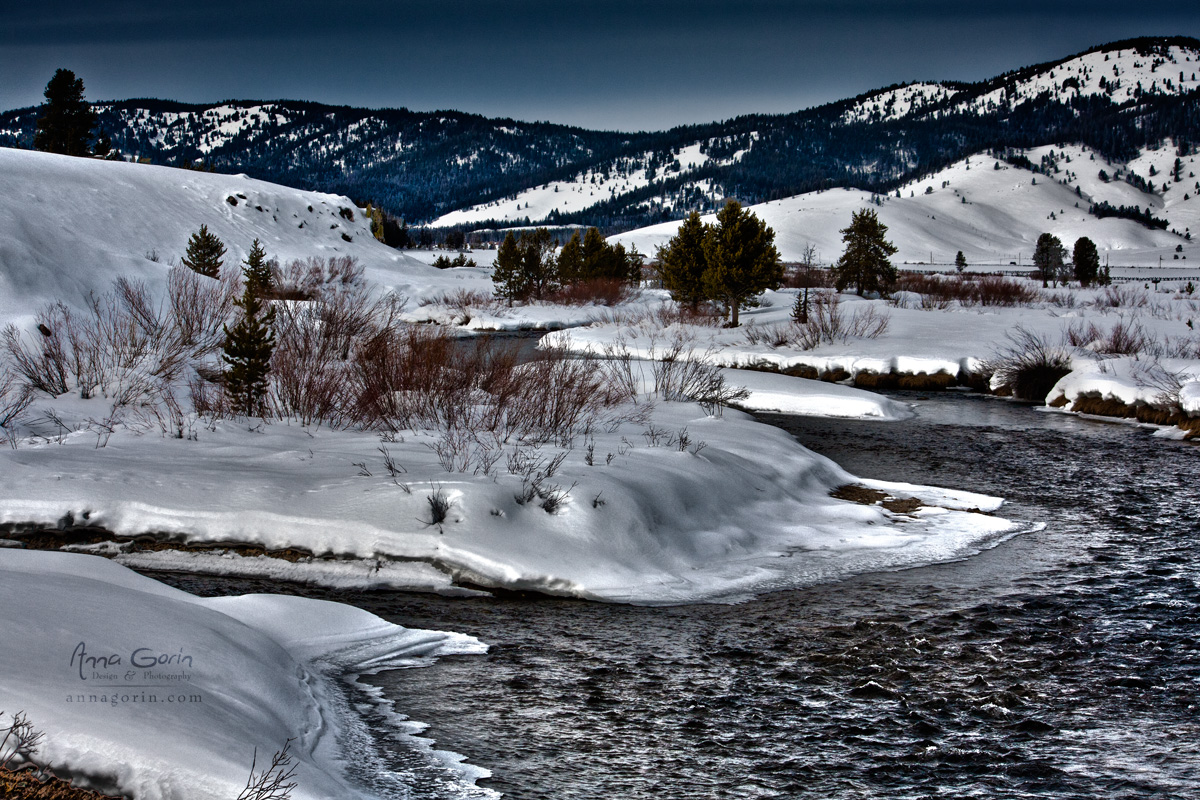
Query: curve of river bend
(1063, 663)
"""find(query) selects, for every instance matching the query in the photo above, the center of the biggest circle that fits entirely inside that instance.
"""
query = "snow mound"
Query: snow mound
(784, 393)
(161, 695)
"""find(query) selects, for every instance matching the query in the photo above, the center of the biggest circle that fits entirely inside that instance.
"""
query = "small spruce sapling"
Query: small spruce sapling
(204, 251)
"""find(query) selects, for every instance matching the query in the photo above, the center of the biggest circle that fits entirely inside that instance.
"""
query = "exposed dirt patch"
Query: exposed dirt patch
(920, 381)
(1154, 415)
(44, 539)
(869, 497)
(24, 786)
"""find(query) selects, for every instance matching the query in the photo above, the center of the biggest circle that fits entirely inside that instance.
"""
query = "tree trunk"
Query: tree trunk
(733, 314)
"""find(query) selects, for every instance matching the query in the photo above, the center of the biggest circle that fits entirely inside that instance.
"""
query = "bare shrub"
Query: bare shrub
(275, 782)
(598, 291)
(1118, 296)
(996, 290)
(44, 364)
(778, 334)
(868, 322)
(15, 399)
(19, 743)
(311, 365)
(937, 292)
(801, 276)
(1028, 365)
(308, 278)
(413, 377)
(683, 375)
(200, 307)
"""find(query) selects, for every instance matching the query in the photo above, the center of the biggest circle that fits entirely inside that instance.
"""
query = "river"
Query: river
(1064, 663)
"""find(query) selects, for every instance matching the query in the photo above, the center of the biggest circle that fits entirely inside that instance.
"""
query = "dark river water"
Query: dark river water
(1064, 663)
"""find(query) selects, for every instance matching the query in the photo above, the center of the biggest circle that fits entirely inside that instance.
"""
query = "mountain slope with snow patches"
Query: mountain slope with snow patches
(991, 210)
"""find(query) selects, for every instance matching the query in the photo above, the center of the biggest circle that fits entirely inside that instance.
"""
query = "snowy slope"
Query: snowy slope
(70, 226)
(585, 190)
(1004, 212)
(1122, 75)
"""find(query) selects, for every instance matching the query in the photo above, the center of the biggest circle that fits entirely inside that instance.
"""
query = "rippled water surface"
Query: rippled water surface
(1064, 663)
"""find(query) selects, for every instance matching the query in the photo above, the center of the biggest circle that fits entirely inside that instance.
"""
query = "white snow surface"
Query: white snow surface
(186, 688)
(784, 393)
(71, 226)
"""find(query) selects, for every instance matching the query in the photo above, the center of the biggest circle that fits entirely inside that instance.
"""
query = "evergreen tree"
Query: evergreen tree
(66, 122)
(1048, 258)
(204, 251)
(507, 275)
(865, 261)
(1086, 260)
(960, 261)
(538, 263)
(257, 271)
(247, 354)
(741, 257)
(596, 255)
(682, 262)
(570, 260)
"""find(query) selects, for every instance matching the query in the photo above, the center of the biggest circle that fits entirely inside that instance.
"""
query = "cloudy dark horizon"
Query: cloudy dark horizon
(607, 64)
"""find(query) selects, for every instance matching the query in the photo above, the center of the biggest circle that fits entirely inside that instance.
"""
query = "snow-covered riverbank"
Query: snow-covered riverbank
(160, 695)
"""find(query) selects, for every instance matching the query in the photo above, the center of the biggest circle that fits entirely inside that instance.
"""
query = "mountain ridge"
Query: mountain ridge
(470, 171)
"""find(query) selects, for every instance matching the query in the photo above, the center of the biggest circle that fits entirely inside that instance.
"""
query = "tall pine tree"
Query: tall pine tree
(681, 263)
(507, 274)
(742, 259)
(204, 251)
(258, 271)
(1048, 258)
(66, 121)
(1086, 260)
(570, 260)
(250, 343)
(865, 262)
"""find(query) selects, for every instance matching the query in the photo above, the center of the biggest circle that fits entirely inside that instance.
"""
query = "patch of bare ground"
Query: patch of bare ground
(44, 539)
(869, 497)
(24, 785)
(1108, 407)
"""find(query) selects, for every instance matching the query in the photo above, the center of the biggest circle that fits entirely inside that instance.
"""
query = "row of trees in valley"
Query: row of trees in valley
(734, 259)
(730, 261)
(1049, 261)
(527, 267)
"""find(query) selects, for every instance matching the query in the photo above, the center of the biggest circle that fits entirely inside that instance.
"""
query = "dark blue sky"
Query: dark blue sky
(602, 64)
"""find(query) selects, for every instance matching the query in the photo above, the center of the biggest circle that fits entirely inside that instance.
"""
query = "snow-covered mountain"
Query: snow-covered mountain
(465, 170)
(70, 226)
(994, 211)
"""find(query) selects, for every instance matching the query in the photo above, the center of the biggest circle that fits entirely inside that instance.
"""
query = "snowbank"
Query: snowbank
(1131, 381)
(771, 392)
(678, 507)
(160, 694)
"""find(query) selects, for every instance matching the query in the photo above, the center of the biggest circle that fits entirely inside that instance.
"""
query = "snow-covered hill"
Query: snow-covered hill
(70, 226)
(1120, 73)
(994, 212)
